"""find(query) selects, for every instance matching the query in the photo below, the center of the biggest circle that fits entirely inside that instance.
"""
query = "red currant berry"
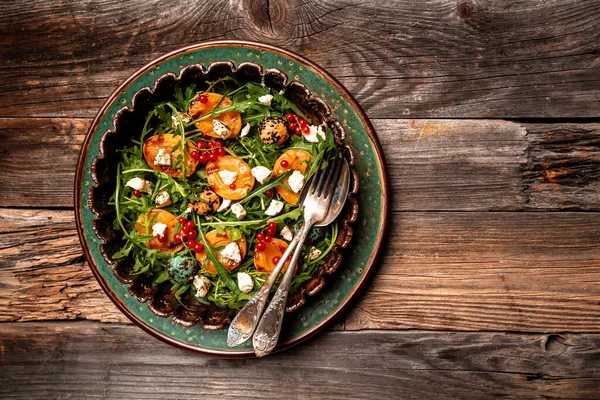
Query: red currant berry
(205, 136)
(298, 130)
(198, 247)
(201, 145)
(268, 238)
(302, 122)
(177, 237)
(284, 163)
(290, 117)
(269, 193)
(261, 246)
(219, 143)
(276, 260)
(203, 158)
(232, 186)
(137, 193)
(203, 99)
(162, 238)
(306, 129)
(211, 145)
(272, 226)
(221, 151)
(292, 126)
(182, 221)
(192, 234)
(213, 157)
(260, 236)
(190, 224)
(191, 244)
(270, 232)
(195, 155)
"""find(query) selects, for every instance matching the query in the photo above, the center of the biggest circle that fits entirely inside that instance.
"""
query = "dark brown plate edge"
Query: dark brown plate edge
(369, 265)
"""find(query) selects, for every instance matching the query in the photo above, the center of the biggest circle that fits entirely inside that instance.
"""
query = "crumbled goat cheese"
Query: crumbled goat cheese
(287, 234)
(266, 99)
(314, 253)
(227, 176)
(245, 130)
(158, 229)
(140, 184)
(296, 181)
(175, 121)
(224, 205)
(162, 158)
(314, 131)
(261, 173)
(275, 208)
(238, 210)
(282, 91)
(221, 129)
(188, 210)
(201, 283)
(245, 282)
(232, 252)
(163, 199)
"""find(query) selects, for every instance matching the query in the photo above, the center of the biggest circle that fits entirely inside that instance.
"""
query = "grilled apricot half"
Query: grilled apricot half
(216, 239)
(232, 119)
(168, 142)
(158, 215)
(243, 183)
(295, 159)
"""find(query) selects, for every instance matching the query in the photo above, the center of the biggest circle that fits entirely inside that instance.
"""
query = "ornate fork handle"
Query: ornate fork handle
(244, 324)
(268, 329)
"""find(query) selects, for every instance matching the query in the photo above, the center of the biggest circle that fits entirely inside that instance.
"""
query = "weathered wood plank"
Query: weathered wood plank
(86, 359)
(535, 272)
(470, 165)
(435, 58)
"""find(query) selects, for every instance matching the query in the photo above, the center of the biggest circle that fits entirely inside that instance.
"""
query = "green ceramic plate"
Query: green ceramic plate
(359, 258)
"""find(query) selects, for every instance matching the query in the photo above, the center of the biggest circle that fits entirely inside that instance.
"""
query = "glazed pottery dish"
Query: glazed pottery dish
(188, 185)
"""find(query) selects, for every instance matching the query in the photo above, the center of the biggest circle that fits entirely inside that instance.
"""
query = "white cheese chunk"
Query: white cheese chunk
(162, 157)
(227, 176)
(245, 130)
(315, 132)
(245, 282)
(202, 284)
(140, 184)
(221, 129)
(162, 199)
(287, 234)
(188, 210)
(261, 173)
(158, 229)
(224, 205)
(232, 252)
(274, 208)
(238, 210)
(266, 99)
(314, 253)
(175, 121)
(296, 181)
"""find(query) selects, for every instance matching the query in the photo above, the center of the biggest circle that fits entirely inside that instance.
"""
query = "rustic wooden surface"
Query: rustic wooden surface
(488, 113)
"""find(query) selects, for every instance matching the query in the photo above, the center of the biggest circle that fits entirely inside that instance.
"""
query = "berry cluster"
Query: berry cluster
(208, 151)
(297, 124)
(187, 235)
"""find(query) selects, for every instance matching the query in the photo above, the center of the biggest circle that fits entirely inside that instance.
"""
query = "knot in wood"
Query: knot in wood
(465, 10)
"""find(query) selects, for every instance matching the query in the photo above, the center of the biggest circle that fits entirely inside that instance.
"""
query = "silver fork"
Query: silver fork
(316, 204)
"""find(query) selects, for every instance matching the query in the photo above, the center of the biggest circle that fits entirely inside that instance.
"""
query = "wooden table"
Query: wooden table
(489, 115)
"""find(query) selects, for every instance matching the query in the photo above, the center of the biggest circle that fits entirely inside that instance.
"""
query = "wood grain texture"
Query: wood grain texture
(537, 272)
(112, 361)
(449, 271)
(434, 165)
(435, 58)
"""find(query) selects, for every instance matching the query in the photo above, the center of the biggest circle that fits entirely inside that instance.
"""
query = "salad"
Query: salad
(207, 193)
